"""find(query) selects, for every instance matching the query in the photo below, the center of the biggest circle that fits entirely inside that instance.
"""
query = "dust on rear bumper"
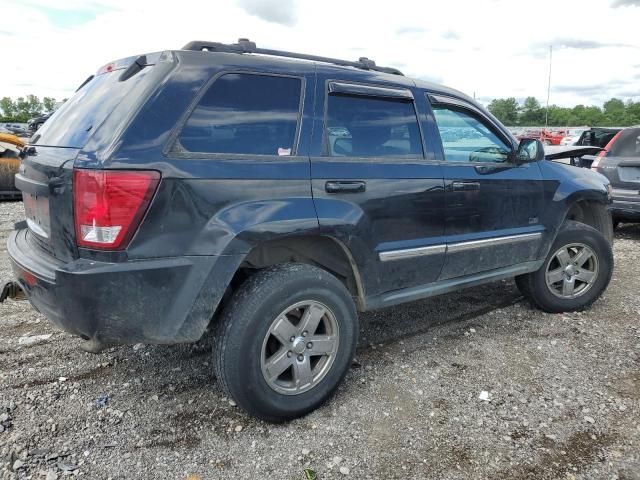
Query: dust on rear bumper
(163, 300)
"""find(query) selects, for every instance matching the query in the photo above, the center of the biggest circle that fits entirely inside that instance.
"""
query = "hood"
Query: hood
(596, 179)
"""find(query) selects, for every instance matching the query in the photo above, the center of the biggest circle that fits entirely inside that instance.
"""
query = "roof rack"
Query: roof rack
(244, 45)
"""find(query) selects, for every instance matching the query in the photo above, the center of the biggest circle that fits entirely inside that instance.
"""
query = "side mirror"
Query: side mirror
(530, 150)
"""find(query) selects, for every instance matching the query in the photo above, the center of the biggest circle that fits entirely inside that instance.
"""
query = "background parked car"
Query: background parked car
(35, 123)
(15, 129)
(620, 163)
(595, 137)
(573, 135)
(548, 137)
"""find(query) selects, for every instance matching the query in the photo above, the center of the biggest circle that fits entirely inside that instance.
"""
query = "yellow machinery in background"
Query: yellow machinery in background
(10, 148)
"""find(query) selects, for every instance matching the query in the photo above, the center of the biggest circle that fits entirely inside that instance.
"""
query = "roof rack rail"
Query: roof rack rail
(244, 45)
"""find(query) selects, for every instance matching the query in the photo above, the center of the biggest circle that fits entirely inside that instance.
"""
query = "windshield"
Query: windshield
(76, 120)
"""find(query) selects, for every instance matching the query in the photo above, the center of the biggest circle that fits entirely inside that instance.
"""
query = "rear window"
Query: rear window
(76, 120)
(627, 145)
(244, 113)
(597, 138)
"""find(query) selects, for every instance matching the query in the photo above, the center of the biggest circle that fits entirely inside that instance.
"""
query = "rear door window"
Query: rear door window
(244, 113)
(362, 126)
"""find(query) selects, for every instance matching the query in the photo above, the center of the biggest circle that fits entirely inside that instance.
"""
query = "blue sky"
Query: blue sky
(493, 48)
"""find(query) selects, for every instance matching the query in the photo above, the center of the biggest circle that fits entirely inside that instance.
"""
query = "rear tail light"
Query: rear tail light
(109, 205)
(604, 152)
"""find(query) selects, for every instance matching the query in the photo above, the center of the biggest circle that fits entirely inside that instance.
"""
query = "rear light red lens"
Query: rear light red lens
(604, 152)
(109, 205)
(596, 161)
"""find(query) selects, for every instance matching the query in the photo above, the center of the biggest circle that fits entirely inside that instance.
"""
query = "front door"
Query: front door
(493, 206)
(374, 188)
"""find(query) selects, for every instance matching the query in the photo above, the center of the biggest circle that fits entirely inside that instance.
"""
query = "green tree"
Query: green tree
(505, 110)
(559, 116)
(632, 110)
(48, 103)
(8, 107)
(531, 112)
(614, 112)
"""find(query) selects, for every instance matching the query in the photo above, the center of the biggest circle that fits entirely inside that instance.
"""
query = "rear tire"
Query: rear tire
(285, 341)
(576, 271)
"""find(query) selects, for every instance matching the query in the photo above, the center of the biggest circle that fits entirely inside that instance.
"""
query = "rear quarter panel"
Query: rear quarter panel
(210, 204)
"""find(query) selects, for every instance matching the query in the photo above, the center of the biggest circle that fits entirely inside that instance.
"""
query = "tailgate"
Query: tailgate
(629, 172)
(45, 181)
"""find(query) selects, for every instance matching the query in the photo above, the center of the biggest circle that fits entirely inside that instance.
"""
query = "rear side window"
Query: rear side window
(245, 114)
(360, 126)
(627, 145)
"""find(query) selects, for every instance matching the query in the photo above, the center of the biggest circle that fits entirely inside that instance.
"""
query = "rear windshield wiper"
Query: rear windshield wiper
(134, 68)
(89, 78)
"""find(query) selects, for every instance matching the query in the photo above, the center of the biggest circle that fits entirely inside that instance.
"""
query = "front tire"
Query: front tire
(576, 271)
(285, 341)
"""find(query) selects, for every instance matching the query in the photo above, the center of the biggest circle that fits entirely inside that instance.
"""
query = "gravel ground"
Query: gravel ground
(561, 396)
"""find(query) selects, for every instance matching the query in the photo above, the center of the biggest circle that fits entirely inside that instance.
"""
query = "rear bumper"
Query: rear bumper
(625, 207)
(165, 300)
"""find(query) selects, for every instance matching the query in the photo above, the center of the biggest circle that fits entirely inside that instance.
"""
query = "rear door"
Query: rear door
(374, 187)
(492, 206)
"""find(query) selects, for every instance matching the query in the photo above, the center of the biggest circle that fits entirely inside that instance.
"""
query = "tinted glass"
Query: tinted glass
(597, 137)
(466, 138)
(244, 113)
(372, 127)
(77, 118)
(627, 144)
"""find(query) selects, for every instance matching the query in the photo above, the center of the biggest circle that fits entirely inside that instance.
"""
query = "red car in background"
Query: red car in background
(548, 137)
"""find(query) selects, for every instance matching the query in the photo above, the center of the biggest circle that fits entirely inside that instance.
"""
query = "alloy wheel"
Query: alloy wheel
(572, 271)
(299, 347)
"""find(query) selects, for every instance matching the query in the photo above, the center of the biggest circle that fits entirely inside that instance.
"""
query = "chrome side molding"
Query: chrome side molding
(412, 252)
(456, 247)
(491, 242)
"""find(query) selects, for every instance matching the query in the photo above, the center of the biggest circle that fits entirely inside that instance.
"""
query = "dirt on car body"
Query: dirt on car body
(562, 396)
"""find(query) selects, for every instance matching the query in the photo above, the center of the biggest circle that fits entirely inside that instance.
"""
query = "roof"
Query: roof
(363, 68)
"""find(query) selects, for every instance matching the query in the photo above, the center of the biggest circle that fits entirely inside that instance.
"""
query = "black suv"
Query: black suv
(274, 195)
(35, 123)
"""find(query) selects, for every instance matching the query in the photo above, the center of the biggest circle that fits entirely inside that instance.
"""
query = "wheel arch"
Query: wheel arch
(592, 211)
(323, 251)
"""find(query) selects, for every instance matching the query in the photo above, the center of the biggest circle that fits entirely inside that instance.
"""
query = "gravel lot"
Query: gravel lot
(563, 396)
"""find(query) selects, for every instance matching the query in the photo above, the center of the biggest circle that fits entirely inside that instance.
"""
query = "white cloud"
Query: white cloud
(493, 48)
(282, 11)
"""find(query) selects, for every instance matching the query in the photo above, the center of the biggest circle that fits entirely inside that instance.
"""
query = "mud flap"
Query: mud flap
(12, 290)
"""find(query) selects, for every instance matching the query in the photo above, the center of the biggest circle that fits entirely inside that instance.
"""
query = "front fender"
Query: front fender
(564, 186)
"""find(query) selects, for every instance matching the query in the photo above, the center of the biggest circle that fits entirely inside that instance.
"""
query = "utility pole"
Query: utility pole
(546, 112)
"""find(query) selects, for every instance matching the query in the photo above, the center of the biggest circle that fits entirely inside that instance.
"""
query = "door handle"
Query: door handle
(353, 186)
(465, 186)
